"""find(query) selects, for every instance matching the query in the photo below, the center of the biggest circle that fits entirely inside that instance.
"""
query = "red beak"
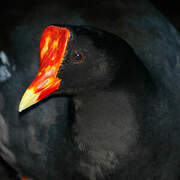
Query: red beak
(53, 45)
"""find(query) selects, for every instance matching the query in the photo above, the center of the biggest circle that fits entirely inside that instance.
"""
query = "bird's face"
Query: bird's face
(70, 62)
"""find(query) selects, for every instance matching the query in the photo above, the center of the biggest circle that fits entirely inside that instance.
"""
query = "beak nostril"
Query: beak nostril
(42, 84)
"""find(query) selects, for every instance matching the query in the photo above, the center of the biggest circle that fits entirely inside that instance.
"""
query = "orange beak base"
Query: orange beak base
(53, 45)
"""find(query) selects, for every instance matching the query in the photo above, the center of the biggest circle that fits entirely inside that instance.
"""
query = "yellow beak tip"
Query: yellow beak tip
(21, 109)
(29, 98)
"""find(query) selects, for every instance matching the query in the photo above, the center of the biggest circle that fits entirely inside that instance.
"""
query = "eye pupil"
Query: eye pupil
(78, 56)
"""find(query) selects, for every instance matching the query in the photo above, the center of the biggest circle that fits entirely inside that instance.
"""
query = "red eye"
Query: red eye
(78, 56)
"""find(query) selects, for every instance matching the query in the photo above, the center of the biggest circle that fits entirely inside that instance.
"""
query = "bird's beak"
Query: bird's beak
(53, 45)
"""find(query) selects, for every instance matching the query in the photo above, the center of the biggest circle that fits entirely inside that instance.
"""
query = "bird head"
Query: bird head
(74, 59)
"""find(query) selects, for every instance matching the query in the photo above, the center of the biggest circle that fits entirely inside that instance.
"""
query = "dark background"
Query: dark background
(170, 9)
(14, 10)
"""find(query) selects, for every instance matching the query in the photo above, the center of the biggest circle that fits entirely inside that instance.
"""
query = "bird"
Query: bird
(34, 133)
(116, 105)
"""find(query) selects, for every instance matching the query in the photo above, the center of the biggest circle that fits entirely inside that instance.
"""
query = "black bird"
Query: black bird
(31, 143)
(117, 107)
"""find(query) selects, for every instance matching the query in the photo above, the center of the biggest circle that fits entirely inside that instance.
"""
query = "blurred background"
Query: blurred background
(13, 11)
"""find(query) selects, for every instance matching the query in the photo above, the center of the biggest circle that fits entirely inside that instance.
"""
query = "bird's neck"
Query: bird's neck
(107, 121)
(118, 103)
(100, 114)
(98, 109)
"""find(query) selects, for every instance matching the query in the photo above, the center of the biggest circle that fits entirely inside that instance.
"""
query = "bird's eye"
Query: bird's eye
(78, 56)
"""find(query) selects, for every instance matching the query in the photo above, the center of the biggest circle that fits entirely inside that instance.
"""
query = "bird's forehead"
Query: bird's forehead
(52, 47)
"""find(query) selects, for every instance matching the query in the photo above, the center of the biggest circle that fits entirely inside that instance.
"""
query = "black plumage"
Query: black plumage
(34, 142)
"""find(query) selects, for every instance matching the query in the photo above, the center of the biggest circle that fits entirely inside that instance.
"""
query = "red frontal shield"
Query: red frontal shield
(53, 45)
